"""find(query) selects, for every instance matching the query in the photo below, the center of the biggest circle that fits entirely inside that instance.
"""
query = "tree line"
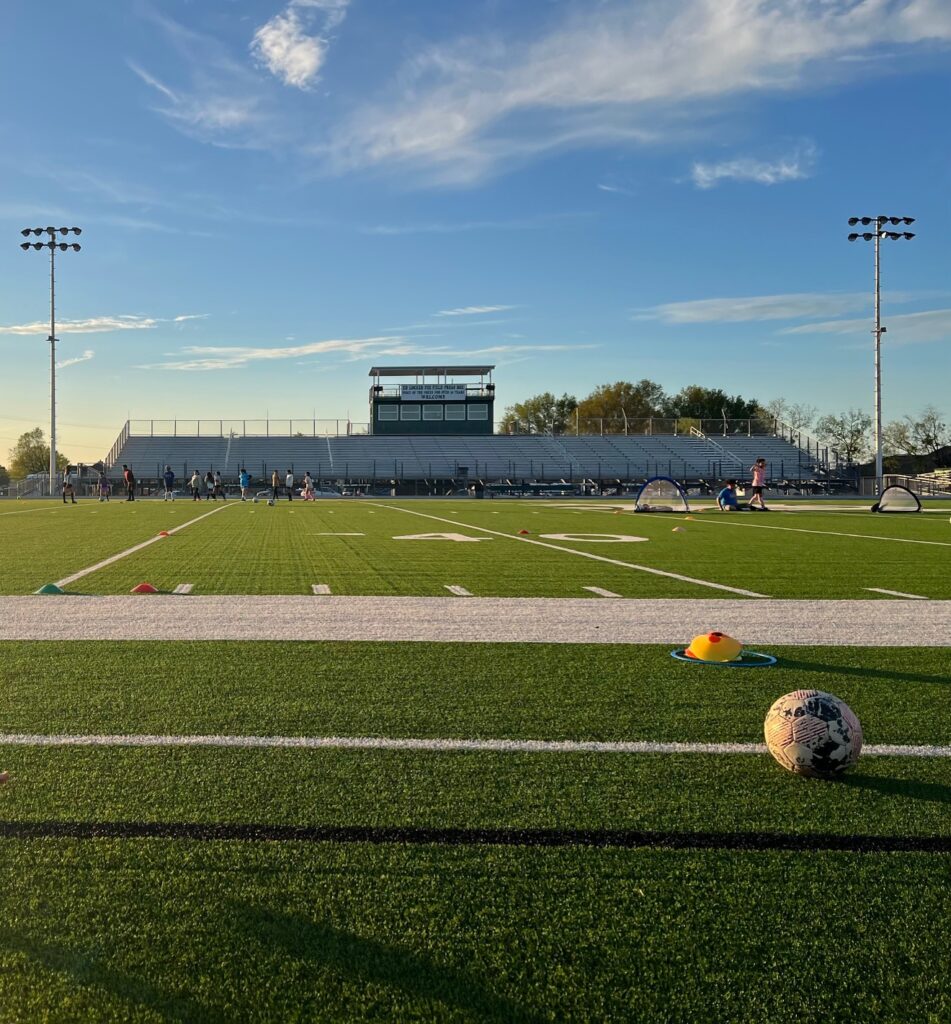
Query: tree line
(610, 408)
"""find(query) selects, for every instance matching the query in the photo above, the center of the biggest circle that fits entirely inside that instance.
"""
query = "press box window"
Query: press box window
(387, 412)
(409, 412)
(432, 412)
(455, 412)
(478, 412)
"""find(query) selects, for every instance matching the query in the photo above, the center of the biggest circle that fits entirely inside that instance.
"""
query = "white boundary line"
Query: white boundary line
(895, 593)
(601, 592)
(183, 588)
(729, 521)
(502, 746)
(24, 511)
(136, 547)
(581, 554)
(320, 588)
(454, 588)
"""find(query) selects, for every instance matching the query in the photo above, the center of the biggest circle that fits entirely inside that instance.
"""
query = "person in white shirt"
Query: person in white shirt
(289, 484)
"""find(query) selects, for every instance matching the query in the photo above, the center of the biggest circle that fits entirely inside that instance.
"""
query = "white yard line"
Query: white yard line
(24, 511)
(454, 588)
(601, 592)
(320, 588)
(674, 621)
(895, 593)
(583, 554)
(727, 519)
(501, 746)
(183, 588)
(136, 547)
(339, 535)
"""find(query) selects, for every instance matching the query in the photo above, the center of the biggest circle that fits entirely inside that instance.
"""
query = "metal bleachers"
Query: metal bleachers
(493, 457)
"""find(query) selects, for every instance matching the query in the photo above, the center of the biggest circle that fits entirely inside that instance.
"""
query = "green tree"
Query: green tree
(31, 454)
(698, 402)
(848, 433)
(540, 414)
(613, 404)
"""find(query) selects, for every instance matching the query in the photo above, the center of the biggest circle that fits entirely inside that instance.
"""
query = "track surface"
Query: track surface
(873, 623)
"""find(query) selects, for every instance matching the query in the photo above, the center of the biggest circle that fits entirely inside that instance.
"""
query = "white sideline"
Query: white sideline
(320, 588)
(502, 746)
(183, 588)
(895, 593)
(136, 547)
(459, 591)
(582, 554)
(546, 620)
(729, 520)
(601, 592)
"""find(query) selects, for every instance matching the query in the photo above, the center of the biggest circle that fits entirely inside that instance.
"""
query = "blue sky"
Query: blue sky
(276, 195)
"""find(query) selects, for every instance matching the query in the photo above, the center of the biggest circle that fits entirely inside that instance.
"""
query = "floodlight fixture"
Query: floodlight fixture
(853, 221)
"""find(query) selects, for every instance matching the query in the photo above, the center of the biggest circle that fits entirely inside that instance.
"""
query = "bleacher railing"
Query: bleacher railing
(240, 428)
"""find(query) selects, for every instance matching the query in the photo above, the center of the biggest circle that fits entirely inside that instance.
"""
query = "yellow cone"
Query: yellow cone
(714, 647)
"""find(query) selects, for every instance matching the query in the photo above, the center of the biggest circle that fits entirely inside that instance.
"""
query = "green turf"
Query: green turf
(247, 549)
(544, 691)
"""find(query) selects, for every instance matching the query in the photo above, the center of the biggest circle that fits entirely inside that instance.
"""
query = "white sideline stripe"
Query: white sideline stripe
(20, 739)
(895, 593)
(339, 534)
(23, 511)
(183, 588)
(454, 588)
(601, 592)
(584, 554)
(320, 588)
(136, 547)
(822, 533)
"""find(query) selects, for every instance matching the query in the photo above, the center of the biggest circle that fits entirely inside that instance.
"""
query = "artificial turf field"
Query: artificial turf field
(247, 882)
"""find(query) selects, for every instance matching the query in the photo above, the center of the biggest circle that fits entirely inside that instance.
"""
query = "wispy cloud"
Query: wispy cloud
(617, 72)
(793, 306)
(288, 46)
(473, 310)
(618, 189)
(903, 328)
(204, 358)
(794, 166)
(99, 324)
(85, 357)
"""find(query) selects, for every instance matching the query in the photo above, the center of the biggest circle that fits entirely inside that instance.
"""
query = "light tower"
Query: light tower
(881, 230)
(52, 244)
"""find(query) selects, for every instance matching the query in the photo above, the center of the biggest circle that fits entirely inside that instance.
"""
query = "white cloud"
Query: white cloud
(473, 310)
(603, 187)
(795, 166)
(617, 72)
(85, 357)
(201, 357)
(98, 324)
(903, 329)
(284, 46)
(794, 306)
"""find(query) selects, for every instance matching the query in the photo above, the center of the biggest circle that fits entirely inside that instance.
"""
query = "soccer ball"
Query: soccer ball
(270, 502)
(813, 733)
(254, 501)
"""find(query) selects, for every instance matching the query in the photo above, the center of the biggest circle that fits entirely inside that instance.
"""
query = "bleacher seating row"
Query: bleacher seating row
(499, 457)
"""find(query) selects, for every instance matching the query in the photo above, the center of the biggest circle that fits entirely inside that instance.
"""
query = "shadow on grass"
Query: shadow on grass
(862, 672)
(369, 960)
(912, 789)
(86, 971)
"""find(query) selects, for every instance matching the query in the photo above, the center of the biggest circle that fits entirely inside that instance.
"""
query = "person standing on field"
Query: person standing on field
(289, 484)
(168, 478)
(219, 486)
(758, 469)
(275, 484)
(128, 478)
(244, 479)
(195, 485)
(210, 486)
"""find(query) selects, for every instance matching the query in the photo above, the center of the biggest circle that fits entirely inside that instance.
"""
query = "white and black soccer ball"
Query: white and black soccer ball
(813, 733)
(270, 502)
(254, 501)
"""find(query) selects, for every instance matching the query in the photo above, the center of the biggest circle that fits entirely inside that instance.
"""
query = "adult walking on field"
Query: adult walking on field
(128, 478)
(289, 484)
(195, 485)
(758, 469)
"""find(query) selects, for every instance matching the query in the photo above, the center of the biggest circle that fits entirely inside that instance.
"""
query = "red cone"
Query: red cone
(144, 588)
(163, 533)
(523, 532)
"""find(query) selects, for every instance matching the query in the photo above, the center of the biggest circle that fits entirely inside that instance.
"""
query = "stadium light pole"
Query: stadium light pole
(52, 244)
(881, 230)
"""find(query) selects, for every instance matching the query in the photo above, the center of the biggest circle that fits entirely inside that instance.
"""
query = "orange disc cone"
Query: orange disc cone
(522, 533)
(163, 533)
(144, 588)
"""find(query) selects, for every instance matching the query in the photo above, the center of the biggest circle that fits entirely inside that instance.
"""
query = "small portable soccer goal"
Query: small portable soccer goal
(897, 499)
(661, 494)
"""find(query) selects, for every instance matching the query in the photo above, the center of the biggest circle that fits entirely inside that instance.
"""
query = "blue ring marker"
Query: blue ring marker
(765, 660)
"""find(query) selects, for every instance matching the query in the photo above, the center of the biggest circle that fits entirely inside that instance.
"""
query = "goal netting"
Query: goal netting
(661, 495)
(897, 499)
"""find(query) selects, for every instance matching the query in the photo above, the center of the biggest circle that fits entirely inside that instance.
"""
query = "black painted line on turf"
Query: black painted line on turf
(423, 836)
